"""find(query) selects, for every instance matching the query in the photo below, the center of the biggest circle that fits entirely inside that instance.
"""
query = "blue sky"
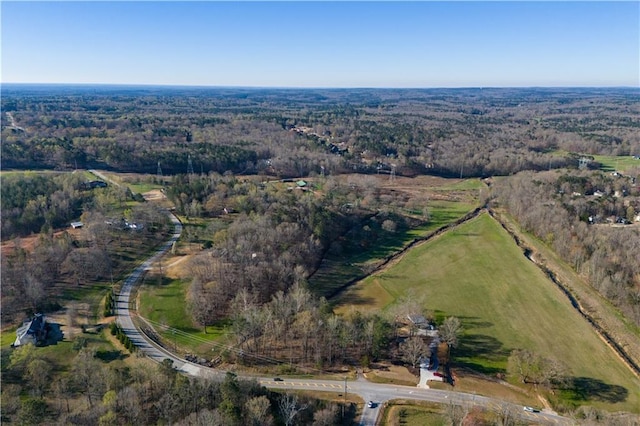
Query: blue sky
(323, 44)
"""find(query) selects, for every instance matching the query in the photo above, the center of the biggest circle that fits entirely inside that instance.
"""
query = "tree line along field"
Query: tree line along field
(505, 302)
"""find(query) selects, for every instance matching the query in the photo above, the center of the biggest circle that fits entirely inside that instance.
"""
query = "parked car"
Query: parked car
(371, 404)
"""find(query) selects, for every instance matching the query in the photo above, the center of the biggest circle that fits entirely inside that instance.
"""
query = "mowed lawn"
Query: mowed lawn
(612, 163)
(336, 270)
(165, 306)
(477, 273)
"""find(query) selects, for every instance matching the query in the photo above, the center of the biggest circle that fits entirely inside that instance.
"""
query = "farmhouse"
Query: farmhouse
(418, 320)
(33, 331)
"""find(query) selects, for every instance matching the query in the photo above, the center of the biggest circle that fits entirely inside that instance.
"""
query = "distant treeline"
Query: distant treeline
(291, 133)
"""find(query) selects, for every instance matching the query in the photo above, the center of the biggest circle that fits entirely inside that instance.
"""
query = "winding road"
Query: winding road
(368, 391)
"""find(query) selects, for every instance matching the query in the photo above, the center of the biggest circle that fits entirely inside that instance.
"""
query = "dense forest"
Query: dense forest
(112, 394)
(292, 133)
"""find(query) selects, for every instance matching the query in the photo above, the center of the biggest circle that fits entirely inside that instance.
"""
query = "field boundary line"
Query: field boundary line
(528, 252)
(393, 258)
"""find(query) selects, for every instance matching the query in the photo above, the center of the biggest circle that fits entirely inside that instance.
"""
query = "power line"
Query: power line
(189, 165)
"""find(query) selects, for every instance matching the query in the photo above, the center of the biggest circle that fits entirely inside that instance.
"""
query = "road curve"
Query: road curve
(376, 392)
(123, 313)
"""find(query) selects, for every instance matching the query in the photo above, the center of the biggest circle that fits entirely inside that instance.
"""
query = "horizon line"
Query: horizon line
(257, 87)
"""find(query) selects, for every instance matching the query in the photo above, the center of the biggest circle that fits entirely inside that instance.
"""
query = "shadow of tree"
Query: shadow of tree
(353, 299)
(587, 388)
(470, 323)
(480, 346)
(108, 356)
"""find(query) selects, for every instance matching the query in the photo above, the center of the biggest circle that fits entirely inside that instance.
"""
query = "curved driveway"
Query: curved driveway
(376, 392)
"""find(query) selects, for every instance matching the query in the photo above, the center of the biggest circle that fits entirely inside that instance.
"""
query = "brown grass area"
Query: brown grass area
(154, 195)
(491, 388)
(388, 373)
(177, 267)
(29, 243)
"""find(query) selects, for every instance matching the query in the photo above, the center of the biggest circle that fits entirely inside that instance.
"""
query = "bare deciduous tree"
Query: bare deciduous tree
(289, 408)
(257, 410)
(449, 331)
(413, 349)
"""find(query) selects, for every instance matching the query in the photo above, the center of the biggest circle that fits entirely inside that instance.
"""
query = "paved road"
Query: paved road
(378, 393)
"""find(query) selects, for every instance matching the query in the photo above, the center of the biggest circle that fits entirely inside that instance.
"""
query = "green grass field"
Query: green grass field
(338, 270)
(141, 188)
(165, 304)
(477, 273)
(424, 414)
(612, 163)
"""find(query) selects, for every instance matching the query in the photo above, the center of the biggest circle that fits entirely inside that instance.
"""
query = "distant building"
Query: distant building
(76, 225)
(33, 331)
(94, 184)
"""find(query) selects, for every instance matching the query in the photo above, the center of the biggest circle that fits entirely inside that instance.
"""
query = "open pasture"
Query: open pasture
(477, 273)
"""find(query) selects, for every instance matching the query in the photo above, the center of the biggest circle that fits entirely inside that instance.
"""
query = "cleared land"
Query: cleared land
(612, 163)
(477, 273)
(448, 201)
(164, 305)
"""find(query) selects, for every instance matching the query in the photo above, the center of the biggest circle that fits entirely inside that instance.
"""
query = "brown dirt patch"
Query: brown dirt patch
(390, 372)
(154, 195)
(178, 267)
(29, 243)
